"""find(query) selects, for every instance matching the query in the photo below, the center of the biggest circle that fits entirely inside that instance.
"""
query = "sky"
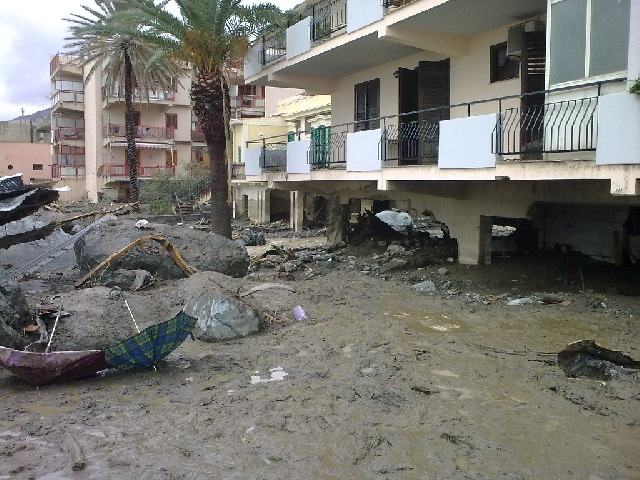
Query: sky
(31, 31)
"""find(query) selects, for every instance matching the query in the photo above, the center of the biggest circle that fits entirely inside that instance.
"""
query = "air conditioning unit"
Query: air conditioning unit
(515, 38)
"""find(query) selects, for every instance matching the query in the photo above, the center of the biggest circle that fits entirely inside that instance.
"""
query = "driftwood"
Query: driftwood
(71, 447)
(173, 253)
(266, 286)
(285, 255)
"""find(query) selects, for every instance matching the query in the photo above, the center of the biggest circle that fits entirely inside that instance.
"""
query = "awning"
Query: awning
(143, 145)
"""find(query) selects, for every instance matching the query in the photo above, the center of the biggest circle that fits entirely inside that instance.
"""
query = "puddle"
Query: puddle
(429, 322)
(47, 410)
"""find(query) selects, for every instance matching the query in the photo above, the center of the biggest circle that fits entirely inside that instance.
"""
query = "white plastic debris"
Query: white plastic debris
(299, 313)
(277, 374)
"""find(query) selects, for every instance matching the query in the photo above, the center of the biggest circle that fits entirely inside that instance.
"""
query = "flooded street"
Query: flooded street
(380, 381)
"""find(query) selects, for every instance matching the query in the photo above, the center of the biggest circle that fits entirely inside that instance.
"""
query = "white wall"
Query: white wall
(299, 38)
(361, 13)
(252, 60)
(466, 142)
(297, 156)
(618, 129)
(362, 151)
(252, 161)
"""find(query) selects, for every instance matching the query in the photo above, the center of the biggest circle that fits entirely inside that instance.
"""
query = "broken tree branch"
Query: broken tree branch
(173, 253)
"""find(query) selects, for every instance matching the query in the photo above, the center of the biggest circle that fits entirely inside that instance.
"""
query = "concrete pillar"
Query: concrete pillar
(296, 210)
(469, 229)
(337, 220)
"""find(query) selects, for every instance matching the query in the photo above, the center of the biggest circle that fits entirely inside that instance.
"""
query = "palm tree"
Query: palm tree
(209, 35)
(111, 47)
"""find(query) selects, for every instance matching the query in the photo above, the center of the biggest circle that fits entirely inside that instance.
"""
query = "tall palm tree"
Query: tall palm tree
(122, 57)
(209, 35)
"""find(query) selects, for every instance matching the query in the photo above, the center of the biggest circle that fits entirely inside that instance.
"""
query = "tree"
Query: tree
(209, 35)
(113, 48)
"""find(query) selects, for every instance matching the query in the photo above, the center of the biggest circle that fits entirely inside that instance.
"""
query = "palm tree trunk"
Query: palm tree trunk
(210, 95)
(134, 194)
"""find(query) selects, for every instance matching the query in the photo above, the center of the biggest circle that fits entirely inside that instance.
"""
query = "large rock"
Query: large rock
(203, 251)
(400, 221)
(221, 317)
(14, 311)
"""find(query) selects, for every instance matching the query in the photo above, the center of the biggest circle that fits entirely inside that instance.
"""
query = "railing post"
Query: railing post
(468, 109)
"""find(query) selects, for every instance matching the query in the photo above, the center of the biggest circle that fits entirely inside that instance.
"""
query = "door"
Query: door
(433, 93)
(532, 106)
(407, 139)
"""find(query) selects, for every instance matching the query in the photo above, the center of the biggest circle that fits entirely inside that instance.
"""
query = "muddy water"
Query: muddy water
(381, 382)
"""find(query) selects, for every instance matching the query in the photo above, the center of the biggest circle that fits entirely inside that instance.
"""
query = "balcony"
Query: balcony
(116, 94)
(120, 171)
(314, 47)
(62, 134)
(67, 99)
(237, 171)
(67, 171)
(146, 132)
(66, 63)
(247, 106)
(546, 132)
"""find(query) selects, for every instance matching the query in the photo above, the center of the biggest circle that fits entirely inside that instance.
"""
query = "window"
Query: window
(37, 166)
(588, 38)
(171, 120)
(367, 105)
(502, 67)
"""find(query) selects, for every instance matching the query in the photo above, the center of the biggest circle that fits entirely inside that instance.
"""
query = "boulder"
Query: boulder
(14, 311)
(203, 251)
(221, 317)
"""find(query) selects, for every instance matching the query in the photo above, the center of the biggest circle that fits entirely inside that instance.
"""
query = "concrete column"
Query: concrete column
(469, 229)
(296, 209)
(337, 220)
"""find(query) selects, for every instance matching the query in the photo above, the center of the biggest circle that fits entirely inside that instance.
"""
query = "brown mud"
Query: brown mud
(380, 381)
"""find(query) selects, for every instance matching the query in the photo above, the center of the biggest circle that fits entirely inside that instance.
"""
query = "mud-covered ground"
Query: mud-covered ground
(380, 381)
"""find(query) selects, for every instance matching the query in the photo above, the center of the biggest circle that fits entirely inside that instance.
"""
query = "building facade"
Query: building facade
(475, 112)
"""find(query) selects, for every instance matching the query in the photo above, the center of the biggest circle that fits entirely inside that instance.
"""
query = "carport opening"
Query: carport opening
(512, 237)
(280, 205)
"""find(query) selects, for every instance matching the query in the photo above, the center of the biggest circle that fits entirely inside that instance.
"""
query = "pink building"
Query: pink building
(33, 160)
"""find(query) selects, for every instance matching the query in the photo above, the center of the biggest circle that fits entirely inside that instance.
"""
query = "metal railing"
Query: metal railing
(67, 96)
(68, 133)
(111, 170)
(274, 156)
(396, 3)
(273, 47)
(152, 95)
(63, 59)
(328, 147)
(140, 131)
(237, 171)
(565, 126)
(67, 171)
(410, 143)
(328, 16)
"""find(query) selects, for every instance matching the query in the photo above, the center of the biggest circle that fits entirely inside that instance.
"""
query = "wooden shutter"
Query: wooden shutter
(373, 104)
(360, 113)
(434, 89)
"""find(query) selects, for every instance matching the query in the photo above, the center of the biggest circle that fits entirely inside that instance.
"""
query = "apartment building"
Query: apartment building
(89, 141)
(475, 112)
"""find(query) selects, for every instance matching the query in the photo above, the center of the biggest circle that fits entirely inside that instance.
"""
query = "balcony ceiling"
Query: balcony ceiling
(454, 17)
(470, 17)
(360, 54)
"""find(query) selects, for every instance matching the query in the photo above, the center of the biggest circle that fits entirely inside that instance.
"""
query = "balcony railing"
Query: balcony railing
(410, 143)
(237, 171)
(413, 138)
(68, 133)
(274, 46)
(67, 171)
(197, 136)
(141, 131)
(328, 147)
(152, 95)
(328, 16)
(111, 170)
(274, 156)
(566, 126)
(395, 3)
(63, 59)
(67, 96)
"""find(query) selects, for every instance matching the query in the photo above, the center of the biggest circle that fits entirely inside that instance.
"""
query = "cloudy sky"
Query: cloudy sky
(30, 32)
